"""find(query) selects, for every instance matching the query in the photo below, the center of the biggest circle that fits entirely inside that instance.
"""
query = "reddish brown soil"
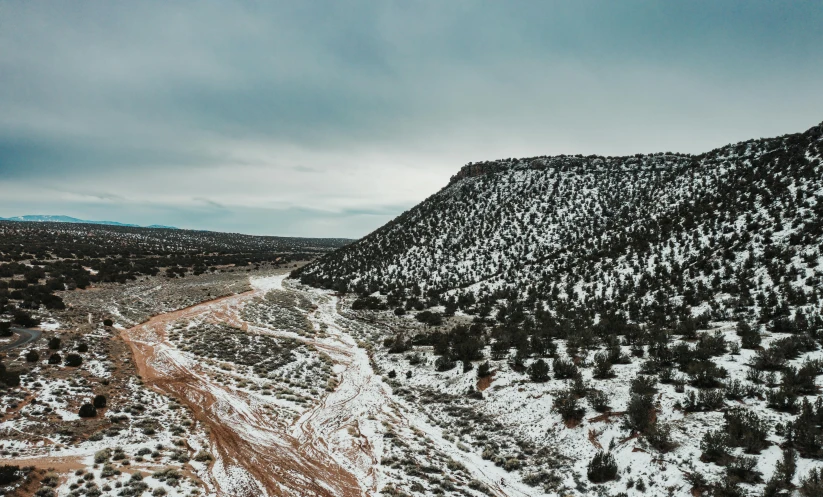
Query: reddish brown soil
(486, 381)
(593, 439)
(606, 416)
(241, 435)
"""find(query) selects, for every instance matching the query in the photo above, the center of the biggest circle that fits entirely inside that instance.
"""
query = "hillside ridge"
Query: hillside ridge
(498, 218)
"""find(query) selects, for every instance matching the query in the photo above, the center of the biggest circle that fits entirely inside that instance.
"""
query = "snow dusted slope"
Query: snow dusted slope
(644, 325)
(656, 237)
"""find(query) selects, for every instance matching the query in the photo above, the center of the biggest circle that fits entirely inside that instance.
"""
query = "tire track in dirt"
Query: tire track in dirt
(253, 457)
(361, 395)
(333, 449)
(411, 416)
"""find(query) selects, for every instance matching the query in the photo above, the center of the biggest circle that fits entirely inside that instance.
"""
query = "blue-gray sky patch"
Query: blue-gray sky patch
(330, 118)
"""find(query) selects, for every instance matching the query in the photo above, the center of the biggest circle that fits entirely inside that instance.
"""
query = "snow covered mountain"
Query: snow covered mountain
(735, 232)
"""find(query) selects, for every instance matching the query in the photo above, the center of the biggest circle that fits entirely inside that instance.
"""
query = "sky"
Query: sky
(328, 119)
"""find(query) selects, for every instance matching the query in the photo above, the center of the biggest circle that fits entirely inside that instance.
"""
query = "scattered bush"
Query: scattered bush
(746, 429)
(73, 360)
(602, 366)
(706, 374)
(705, 400)
(87, 411)
(715, 447)
(564, 369)
(781, 399)
(743, 470)
(9, 474)
(24, 319)
(539, 371)
(371, 303)
(812, 484)
(639, 413)
(659, 437)
(429, 318)
(602, 468)
(599, 400)
(443, 363)
(568, 406)
(644, 385)
(484, 370)
(32, 356)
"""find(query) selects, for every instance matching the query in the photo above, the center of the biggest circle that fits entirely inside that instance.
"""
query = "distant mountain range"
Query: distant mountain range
(68, 219)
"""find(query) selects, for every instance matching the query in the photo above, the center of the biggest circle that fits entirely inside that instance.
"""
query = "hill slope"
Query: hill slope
(735, 232)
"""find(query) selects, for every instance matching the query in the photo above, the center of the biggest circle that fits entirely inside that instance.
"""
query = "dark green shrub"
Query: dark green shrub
(602, 366)
(602, 468)
(599, 400)
(728, 488)
(443, 363)
(711, 400)
(715, 447)
(805, 432)
(568, 406)
(706, 374)
(87, 411)
(750, 340)
(9, 474)
(24, 319)
(746, 429)
(744, 470)
(660, 438)
(644, 385)
(483, 370)
(812, 484)
(429, 318)
(9, 378)
(32, 356)
(781, 399)
(73, 360)
(538, 371)
(564, 369)
(639, 413)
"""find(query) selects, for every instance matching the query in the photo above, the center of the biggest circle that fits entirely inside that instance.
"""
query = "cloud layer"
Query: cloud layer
(330, 118)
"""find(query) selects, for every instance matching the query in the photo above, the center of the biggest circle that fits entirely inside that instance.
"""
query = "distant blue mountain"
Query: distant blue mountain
(67, 219)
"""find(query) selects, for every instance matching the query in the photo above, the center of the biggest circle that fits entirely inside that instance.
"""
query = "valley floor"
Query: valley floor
(282, 390)
(319, 423)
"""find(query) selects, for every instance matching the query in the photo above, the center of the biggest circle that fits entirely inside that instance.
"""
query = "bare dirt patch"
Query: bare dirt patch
(251, 453)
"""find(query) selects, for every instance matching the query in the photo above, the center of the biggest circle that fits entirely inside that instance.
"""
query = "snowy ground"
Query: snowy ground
(282, 390)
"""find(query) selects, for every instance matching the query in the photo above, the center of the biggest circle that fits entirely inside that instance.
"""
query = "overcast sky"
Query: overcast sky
(330, 118)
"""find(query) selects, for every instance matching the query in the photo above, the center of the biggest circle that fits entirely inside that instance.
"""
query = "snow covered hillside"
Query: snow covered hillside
(645, 325)
(735, 232)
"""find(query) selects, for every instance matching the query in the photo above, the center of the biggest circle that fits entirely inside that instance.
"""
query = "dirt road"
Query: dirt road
(24, 337)
(333, 449)
(253, 456)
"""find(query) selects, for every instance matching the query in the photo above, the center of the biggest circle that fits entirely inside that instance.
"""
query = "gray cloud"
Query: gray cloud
(339, 115)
